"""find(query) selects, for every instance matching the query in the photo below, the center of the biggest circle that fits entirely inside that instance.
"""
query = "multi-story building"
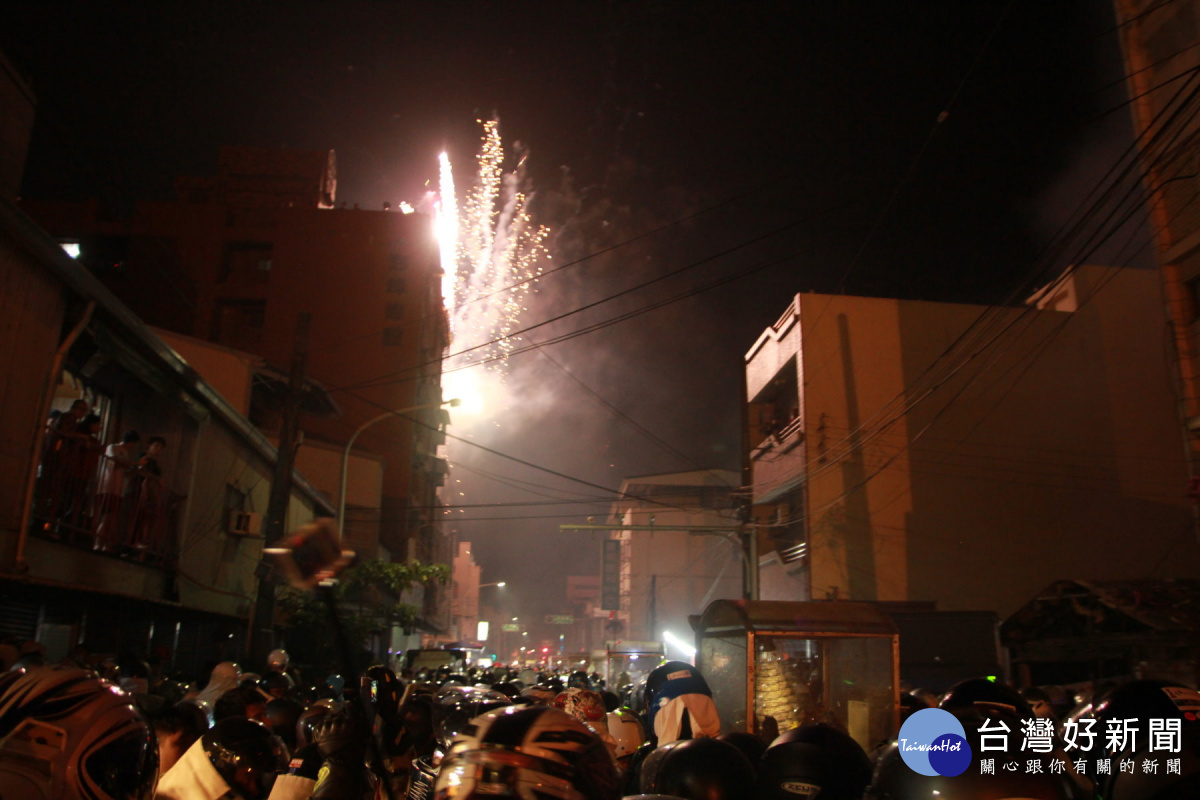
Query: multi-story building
(234, 260)
(464, 603)
(968, 455)
(145, 550)
(678, 552)
(1159, 44)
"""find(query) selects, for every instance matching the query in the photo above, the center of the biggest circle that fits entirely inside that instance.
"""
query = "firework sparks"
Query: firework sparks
(491, 254)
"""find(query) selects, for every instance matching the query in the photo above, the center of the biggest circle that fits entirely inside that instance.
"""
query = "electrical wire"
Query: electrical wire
(930, 379)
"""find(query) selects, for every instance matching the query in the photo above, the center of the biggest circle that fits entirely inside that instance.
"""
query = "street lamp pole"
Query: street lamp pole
(341, 517)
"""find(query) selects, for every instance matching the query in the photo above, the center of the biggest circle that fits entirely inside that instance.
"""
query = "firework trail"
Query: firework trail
(489, 244)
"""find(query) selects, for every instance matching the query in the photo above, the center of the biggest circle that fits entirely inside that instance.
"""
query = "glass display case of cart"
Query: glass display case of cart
(799, 662)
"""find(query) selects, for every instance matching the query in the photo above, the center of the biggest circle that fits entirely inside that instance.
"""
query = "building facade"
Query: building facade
(146, 550)
(668, 568)
(915, 451)
(234, 260)
(1159, 41)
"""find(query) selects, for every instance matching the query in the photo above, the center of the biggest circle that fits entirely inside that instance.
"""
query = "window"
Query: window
(396, 286)
(239, 323)
(246, 263)
(392, 336)
(399, 264)
(394, 311)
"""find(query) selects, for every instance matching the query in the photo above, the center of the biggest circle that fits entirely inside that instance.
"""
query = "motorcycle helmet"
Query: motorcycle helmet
(66, 734)
(1146, 701)
(508, 689)
(981, 690)
(245, 754)
(274, 684)
(282, 715)
(584, 705)
(626, 731)
(277, 661)
(455, 706)
(817, 759)
(698, 769)
(532, 753)
(539, 694)
(669, 684)
(334, 687)
(752, 747)
(578, 680)
(307, 722)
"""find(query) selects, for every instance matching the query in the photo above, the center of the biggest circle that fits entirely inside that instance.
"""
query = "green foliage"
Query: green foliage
(369, 601)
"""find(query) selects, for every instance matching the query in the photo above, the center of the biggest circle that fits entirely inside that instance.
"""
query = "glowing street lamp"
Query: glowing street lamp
(500, 584)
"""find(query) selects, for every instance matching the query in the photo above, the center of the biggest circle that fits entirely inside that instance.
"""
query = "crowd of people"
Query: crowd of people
(109, 497)
(122, 730)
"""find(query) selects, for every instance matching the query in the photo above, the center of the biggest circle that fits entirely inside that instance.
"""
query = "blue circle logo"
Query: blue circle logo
(933, 742)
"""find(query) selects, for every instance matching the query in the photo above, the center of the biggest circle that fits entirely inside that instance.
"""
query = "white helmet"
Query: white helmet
(277, 661)
(626, 731)
(226, 671)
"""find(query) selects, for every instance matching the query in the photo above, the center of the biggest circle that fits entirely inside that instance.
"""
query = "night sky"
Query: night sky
(801, 140)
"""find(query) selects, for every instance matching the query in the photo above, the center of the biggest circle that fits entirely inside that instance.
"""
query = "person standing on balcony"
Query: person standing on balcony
(119, 458)
(81, 457)
(52, 477)
(145, 486)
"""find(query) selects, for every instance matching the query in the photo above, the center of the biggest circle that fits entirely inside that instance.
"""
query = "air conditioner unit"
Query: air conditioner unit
(245, 523)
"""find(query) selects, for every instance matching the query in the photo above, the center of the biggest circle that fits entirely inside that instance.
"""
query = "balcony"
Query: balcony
(87, 500)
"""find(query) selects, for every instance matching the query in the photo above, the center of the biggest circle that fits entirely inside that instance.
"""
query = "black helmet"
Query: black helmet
(518, 746)
(508, 689)
(752, 746)
(817, 759)
(307, 722)
(246, 755)
(455, 706)
(275, 684)
(983, 690)
(698, 769)
(895, 780)
(578, 680)
(1143, 700)
(1147, 701)
(282, 715)
(64, 733)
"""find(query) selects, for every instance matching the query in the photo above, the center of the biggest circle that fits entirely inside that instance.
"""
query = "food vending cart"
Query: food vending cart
(800, 662)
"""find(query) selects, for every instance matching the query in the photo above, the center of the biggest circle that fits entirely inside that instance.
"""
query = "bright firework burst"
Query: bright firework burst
(491, 252)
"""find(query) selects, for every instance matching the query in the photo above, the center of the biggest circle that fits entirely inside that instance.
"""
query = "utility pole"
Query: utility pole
(262, 631)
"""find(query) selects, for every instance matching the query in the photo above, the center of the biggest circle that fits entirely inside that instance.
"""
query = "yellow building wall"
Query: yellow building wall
(858, 492)
(1045, 446)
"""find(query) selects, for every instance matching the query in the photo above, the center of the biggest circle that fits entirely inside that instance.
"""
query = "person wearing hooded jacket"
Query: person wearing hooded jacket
(679, 704)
